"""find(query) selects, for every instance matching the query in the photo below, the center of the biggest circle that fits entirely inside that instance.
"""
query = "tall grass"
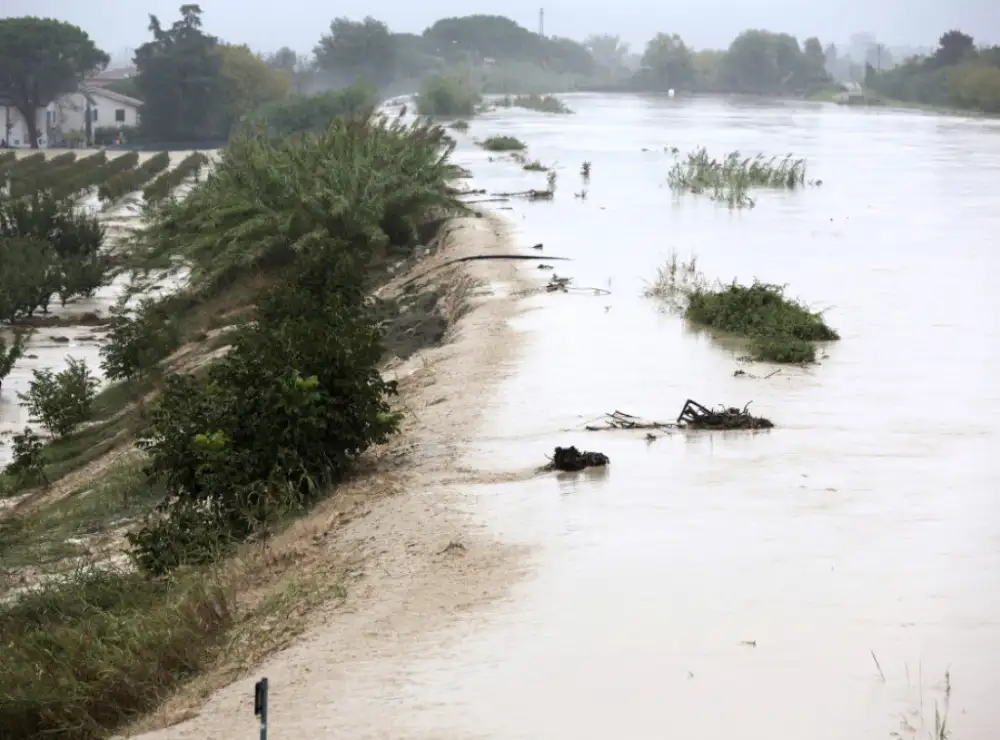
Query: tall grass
(87, 654)
(778, 328)
(731, 179)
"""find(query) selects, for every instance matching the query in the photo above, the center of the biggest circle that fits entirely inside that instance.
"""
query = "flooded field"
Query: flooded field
(51, 345)
(735, 585)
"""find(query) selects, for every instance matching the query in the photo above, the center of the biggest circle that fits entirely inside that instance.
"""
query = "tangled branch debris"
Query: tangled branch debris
(621, 420)
(529, 194)
(570, 459)
(558, 284)
(696, 416)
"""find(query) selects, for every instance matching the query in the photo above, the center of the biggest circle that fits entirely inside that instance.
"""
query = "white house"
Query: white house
(16, 131)
(68, 114)
(107, 109)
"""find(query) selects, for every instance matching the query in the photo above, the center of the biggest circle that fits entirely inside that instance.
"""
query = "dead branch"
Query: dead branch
(620, 420)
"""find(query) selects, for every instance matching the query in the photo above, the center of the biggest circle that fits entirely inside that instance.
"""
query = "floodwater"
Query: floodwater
(50, 347)
(816, 581)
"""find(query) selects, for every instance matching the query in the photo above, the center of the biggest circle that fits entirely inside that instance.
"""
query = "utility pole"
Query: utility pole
(541, 21)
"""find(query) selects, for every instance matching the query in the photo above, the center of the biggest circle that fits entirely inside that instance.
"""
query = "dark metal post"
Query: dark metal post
(260, 706)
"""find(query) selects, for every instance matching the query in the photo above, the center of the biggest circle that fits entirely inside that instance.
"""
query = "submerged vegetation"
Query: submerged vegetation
(502, 144)
(778, 328)
(230, 450)
(730, 180)
(541, 103)
(447, 96)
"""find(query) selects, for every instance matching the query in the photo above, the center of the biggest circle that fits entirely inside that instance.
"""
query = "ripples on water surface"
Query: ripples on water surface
(868, 520)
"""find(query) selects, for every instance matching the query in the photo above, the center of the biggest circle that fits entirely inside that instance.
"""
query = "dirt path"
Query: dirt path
(425, 564)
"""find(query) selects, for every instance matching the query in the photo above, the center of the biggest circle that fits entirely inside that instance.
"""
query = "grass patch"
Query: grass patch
(446, 96)
(64, 529)
(90, 653)
(541, 103)
(730, 180)
(461, 125)
(503, 144)
(778, 328)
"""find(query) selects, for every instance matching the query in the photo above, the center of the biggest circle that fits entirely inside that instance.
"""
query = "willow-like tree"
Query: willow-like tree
(42, 59)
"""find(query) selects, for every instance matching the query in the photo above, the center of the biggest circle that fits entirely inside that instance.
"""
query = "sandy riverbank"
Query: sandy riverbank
(414, 561)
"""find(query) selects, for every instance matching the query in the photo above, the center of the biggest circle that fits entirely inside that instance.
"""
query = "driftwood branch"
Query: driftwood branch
(621, 420)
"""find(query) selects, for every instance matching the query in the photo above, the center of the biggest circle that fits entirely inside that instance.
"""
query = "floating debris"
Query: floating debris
(557, 283)
(570, 459)
(621, 420)
(696, 416)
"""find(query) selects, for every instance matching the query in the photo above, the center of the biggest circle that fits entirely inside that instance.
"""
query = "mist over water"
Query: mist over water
(866, 521)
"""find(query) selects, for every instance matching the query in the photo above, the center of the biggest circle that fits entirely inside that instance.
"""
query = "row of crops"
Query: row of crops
(67, 177)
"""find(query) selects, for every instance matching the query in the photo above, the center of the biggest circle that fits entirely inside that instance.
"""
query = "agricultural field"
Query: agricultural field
(98, 180)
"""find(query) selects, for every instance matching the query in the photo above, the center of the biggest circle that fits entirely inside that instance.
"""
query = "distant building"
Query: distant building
(69, 115)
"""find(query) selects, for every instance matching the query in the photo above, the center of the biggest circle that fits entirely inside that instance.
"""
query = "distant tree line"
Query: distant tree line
(196, 87)
(958, 74)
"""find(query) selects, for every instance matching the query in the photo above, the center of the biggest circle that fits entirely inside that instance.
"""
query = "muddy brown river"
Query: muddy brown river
(717, 586)
(835, 578)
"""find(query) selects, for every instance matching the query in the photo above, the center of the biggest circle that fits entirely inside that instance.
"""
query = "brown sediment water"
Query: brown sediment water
(818, 580)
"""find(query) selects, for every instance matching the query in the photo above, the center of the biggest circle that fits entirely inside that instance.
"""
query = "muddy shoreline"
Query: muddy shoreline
(418, 561)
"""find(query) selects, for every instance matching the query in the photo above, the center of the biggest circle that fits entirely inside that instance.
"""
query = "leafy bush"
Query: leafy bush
(502, 144)
(781, 329)
(27, 467)
(10, 354)
(61, 401)
(114, 135)
(137, 339)
(131, 180)
(447, 96)
(163, 185)
(86, 655)
(281, 417)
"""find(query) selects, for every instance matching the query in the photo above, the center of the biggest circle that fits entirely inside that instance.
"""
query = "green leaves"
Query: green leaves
(41, 59)
(267, 201)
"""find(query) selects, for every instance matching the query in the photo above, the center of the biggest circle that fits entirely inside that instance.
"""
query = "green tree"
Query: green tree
(248, 82)
(953, 47)
(61, 401)
(284, 59)
(668, 62)
(766, 63)
(357, 51)
(40, 60)
(179, 78)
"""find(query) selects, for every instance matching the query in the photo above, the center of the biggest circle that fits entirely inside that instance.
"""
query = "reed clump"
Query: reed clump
(730, 180)
(779, 329)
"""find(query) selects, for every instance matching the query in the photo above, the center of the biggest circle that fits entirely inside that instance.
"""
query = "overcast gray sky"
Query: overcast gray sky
(266, 26)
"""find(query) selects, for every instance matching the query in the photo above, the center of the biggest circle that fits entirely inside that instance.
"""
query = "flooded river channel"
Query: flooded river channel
(817, 581)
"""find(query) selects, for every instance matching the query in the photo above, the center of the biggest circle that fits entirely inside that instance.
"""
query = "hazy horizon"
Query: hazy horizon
(116, 25)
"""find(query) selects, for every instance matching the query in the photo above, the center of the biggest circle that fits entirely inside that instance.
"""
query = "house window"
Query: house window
(120, 115)
(93, 114)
